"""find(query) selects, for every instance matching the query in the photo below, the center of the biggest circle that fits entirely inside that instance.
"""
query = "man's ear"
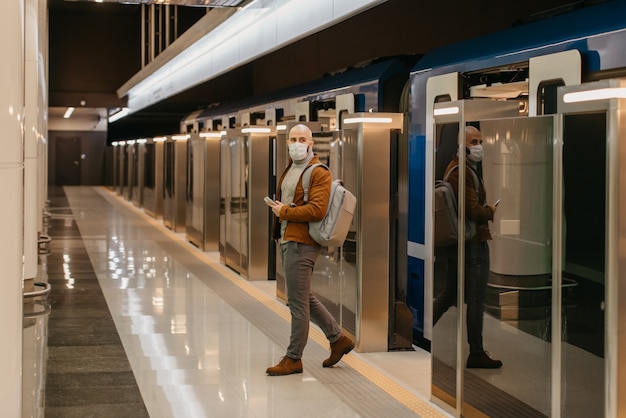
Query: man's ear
(467, 151)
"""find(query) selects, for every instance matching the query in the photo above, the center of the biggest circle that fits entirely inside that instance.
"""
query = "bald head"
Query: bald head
(472, 136)
(300, 133)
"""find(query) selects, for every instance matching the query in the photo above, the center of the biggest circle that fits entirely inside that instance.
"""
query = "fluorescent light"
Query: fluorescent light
(159, 139)
(212, 134)
(599, 94)
(180, 137)
(119, 115)
(256, 130)
(130, 142)
(235, 42)
(446, 111)
(122, 142)
(142, 141)
(68, 112)
(281, 127)
(114, 143)
(367, 120)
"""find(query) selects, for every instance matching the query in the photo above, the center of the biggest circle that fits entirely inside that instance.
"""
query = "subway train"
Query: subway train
(549, 99)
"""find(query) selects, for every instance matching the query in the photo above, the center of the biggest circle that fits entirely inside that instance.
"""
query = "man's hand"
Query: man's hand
(276, 208)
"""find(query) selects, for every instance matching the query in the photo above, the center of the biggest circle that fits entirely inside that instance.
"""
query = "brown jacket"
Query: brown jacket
(475, 208)
(300, 215)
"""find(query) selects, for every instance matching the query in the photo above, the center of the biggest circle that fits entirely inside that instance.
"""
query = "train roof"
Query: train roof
(569, 27)
(378, 69)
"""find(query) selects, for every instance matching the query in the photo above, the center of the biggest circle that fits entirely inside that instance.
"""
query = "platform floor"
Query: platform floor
(142, 323)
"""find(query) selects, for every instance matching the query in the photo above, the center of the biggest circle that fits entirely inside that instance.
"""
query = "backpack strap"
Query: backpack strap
(477, 181)
(306, 179)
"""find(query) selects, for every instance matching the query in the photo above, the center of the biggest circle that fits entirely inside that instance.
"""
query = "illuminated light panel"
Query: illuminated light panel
(446, 111)
(159, 139)
(119, 115)
(599, 94)
(239, 33)
(142, 141)
(68, 112)
(114, 143)
(281, 127)
(130, 142)
(180, 137)
(256, 130)
(122, 142)
(367, 120)
(212, 134)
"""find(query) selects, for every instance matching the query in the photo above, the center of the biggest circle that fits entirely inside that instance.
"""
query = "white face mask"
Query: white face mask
(298, 151)
(475, 153)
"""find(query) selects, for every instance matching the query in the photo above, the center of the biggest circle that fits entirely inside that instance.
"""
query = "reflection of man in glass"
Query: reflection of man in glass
(476, 254)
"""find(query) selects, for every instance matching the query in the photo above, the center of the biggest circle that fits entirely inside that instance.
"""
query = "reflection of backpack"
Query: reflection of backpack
(332, 230)
(446, 212)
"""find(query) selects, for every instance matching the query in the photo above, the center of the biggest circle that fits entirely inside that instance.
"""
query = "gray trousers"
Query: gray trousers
(298, 262)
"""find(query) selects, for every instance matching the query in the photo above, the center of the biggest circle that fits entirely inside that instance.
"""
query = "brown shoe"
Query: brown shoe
(285, 366)
(338, 349)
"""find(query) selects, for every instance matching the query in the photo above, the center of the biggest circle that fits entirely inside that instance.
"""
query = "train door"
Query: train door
(116, 162)
(131, 146)
(194, 191)
(518, 169)
(123, 168)
(202, 196)
(138, 180)
(153, 177)
(174, 181)
(245, 167)
(591, 221)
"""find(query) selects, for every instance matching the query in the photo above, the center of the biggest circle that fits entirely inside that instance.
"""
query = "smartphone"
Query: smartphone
(497, 202)
(269, 202)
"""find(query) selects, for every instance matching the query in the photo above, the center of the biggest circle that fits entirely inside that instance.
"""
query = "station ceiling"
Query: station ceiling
(94, 48)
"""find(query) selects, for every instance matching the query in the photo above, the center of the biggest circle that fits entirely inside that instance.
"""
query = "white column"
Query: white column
(43, 112)
(12, 207)
(31, 135)
(42, 143)
(35, 109)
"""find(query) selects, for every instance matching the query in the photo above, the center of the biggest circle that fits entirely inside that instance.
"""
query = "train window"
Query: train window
(257, 118)
(446, 147)
(546, 100)
(280, 113)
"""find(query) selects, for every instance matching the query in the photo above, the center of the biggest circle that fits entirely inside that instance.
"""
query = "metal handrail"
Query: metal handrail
(46, 289)
(566, 283)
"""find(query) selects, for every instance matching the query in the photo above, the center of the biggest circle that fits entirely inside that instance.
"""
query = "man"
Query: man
(299, 252)
(476, 254)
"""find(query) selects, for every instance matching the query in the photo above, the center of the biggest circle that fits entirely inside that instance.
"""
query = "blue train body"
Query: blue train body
(597, 32)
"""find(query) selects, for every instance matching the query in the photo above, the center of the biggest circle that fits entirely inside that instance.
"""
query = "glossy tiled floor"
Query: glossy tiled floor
(198, 337)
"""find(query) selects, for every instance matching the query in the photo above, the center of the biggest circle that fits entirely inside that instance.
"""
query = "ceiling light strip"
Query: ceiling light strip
(255, 30)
